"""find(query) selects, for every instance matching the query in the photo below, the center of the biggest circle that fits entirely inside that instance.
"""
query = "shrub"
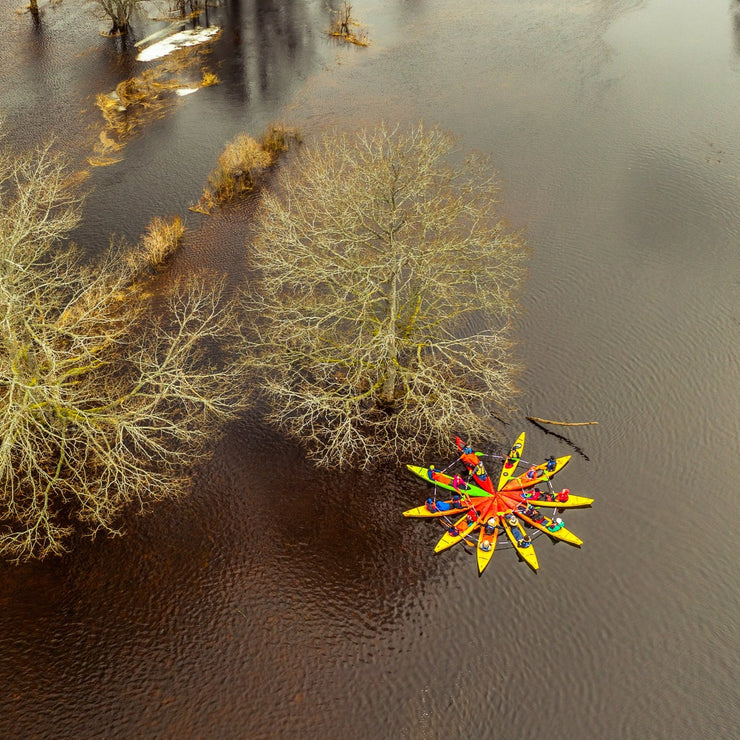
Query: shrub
(161, 240)
(278, 139)
(242, 163)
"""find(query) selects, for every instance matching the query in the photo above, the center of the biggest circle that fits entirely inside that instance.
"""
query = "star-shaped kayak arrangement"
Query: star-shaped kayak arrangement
(473, 511)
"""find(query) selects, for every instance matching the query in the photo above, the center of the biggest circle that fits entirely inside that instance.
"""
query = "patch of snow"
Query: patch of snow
(158, 35)
(186, 90)
(190, 37)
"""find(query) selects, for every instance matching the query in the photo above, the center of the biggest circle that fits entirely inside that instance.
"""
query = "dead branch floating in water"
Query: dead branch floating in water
(560, 437)
(562, 423)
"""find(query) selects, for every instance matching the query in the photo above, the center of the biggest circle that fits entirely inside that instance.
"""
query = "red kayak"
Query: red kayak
(474, 465)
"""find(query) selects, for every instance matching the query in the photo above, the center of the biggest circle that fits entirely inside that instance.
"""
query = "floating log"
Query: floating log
(562, 423)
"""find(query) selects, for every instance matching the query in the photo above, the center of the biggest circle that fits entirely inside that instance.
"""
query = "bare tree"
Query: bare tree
(387, 283)
(342, 26)
(345, 14)
(187, 8)
(103, 400)
(119, 12)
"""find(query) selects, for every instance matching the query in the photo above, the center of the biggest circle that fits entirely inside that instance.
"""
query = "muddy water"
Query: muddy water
(278, 602)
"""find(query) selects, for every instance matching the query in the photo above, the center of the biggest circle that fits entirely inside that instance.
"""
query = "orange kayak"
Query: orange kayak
(535, 475)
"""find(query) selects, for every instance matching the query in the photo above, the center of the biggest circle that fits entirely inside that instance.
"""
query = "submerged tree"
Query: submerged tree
(341, 26)
(119, 12)
(104, 401)
(386, 285)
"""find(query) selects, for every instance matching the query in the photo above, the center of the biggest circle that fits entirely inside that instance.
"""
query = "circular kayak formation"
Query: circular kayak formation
(509, 514)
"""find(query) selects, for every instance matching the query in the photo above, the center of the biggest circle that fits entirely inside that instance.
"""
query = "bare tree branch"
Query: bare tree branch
(103, 401)
(387, 283)
(562, 423)
(119, 12)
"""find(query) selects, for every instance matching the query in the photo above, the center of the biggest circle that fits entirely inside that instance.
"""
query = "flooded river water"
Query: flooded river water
(279, 602)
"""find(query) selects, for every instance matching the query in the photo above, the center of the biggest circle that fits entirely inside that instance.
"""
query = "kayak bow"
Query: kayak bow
(511, 462)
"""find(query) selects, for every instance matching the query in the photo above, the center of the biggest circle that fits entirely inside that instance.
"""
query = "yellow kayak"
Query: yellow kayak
(448, 508)
(510, 462)
(535, 475)
(462, 527)
(486, 544)
(558, 532)
(526, 553)
(571, 502)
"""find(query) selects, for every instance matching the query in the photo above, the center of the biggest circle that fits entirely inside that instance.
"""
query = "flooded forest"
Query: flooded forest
(273, 597)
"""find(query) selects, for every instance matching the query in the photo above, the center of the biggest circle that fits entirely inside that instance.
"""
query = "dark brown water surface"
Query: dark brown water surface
(278, 602)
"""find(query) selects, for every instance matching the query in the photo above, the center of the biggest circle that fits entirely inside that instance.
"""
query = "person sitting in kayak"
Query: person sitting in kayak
(456, 502)
(469, 458)
(555, 524)
(433, 505)
(552, 463)
(472, 517)
(532, 513)
(522, 540)
(538, 495)
(562, 496)
(431, 470)
(480, 472)
(532, 472)
(458, 483)
(488, 528)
